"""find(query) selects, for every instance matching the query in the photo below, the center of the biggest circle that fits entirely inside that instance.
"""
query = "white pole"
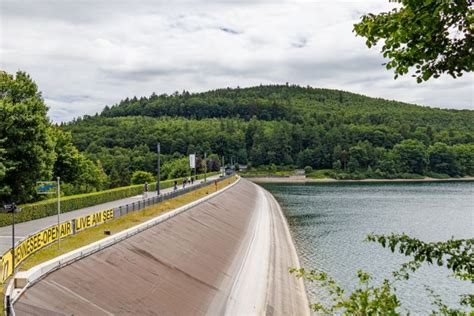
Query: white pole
(223, 166)
(59, 209)
(205, 167)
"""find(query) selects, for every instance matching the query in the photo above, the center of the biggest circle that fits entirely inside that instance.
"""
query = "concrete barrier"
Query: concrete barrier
(25, 279)
(69, 227)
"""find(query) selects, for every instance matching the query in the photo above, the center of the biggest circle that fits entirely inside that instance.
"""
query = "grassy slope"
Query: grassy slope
(119, 224)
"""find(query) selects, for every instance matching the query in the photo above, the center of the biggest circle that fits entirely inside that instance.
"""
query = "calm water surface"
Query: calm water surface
(330, 221)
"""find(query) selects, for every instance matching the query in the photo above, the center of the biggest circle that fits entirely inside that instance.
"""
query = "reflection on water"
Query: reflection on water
(330, 221)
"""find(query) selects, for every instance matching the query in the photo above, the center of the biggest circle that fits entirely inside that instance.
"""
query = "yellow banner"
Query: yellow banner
(93, 219)
(32, 244)
(7, 268)
(40, 240)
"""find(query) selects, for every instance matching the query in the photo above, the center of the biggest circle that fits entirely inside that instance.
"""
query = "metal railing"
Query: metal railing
(146, 202)
(38, 272)
(119, 211)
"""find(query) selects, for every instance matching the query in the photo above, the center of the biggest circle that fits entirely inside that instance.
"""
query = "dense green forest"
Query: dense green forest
(282, 125)
(350, 135)
(32, 149)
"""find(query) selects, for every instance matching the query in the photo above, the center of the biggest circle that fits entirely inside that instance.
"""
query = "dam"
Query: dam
(228, 255)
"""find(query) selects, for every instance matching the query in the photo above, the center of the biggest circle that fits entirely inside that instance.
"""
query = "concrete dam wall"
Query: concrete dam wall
(227, 256)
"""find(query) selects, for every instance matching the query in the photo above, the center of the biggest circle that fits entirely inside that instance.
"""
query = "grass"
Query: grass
(319, 174)
(119, 224)
(164, 184)
(264, 173)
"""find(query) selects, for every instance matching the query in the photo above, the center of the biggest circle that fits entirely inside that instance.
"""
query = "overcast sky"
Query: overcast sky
(87, 54)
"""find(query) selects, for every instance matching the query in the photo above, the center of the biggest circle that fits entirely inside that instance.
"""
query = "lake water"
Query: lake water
(330, 221)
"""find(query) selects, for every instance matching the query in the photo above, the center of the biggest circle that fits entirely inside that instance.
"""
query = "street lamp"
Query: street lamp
(205, 166)
(12, 208)
(158, 149)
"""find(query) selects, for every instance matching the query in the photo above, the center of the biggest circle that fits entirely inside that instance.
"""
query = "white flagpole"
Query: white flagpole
(59, 209)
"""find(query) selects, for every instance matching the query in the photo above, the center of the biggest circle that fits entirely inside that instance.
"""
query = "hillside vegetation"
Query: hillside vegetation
(32, 149)
(354, 135)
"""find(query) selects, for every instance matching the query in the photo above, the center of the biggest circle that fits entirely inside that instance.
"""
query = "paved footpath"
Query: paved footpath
(24, 229)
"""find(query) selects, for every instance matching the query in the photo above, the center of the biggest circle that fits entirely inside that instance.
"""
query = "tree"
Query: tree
(464, 158)
(307, 157)
(140, 177)
(79, 174)
(367, 299)
(3, 170)
(213, 163)
(316, 135)
(25, 129)
(66, 165)
(454, 254)
(177, 168)
(442, 159)
(361, 156)
(434, 37)
(410, 156)
(386, 163)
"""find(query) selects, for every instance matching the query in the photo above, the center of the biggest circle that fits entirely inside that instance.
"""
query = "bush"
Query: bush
(140, 177)
(437, 175)
(343, 176)
(74, 202)
(308, 169)
(411, 176)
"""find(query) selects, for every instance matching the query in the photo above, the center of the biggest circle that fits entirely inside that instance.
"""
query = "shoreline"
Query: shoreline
(300, 179)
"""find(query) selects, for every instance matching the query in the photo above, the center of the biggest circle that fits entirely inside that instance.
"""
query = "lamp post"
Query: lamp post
(205, 167)
(13, 209)
(158, 180)
(58, 191)
(223, 166)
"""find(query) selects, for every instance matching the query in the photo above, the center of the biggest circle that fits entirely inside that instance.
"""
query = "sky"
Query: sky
(87, 54)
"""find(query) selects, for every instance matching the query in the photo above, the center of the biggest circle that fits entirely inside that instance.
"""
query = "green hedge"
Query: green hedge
(74, 202)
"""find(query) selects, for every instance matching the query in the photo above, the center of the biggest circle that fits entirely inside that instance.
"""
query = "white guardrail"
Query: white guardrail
(48, 235)
(24, 279)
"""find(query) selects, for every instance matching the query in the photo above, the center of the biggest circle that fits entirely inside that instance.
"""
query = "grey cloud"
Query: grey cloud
(299, 71)
(85, 54)
(300, 43)
(143, 74)
(229, 30)
(308, 69)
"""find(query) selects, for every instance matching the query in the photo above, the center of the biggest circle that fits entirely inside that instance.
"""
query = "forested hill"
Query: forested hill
(283, 102)
(354, 135)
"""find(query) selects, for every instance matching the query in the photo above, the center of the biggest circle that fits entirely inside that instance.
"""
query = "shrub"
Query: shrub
(437, 175)
(308, 169)
(74, 202)
(411, 176)
(140, 177)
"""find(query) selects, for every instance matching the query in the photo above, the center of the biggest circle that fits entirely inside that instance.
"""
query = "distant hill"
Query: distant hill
(282, 125)
(277, 102)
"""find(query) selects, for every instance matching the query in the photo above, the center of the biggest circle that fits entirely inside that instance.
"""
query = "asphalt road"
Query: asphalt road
(25, 229)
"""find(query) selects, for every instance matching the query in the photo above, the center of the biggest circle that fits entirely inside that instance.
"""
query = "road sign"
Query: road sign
(46, 187)
(192, 161)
